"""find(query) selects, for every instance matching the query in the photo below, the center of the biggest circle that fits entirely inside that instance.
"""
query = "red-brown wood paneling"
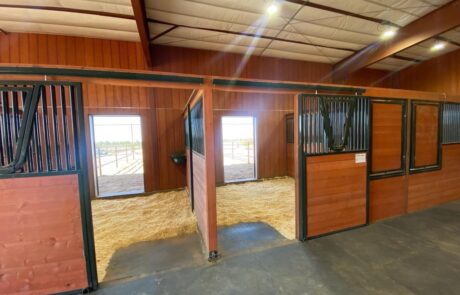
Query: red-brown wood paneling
(41, 235)
(432, 188)
(426, 135)
(387, 197)
(336, 193)
(43, 49)
(386, 136)
(440, 74)
(200, 196)
(162, 127)
(290, 150)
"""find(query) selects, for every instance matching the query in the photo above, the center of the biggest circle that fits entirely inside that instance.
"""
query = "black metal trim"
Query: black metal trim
(394, 172)
(99, 74)
(73, 292)
(37, 174)
(85, 198)
(438, 165)
(302, 158)
(336, 232)
(190, 147)
(287, 86)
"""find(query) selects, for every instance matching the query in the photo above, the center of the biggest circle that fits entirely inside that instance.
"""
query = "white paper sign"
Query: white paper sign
(360, 158)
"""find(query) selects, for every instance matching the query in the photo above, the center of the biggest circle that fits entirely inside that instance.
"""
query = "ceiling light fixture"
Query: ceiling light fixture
(438, 46)
(272, 9)
(388, 34)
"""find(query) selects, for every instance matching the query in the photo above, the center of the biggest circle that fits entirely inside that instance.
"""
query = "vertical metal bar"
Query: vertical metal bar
(57, 144)
(30, 162)
(16, 119)
(37, 143)
(302, 170)
(2, 157)
(73, 114)
(65, 127)
(7, 136)
(46, 129)
(310, 141)
(318, 129)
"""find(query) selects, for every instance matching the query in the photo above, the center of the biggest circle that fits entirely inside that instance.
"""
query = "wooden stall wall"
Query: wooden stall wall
(41, 237)
(433, 188)
(336, 193)
(270, 111)
(387, 196)
(204, 185)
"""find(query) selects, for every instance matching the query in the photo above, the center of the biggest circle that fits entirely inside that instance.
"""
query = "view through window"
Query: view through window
(117, 144)
(238, 134)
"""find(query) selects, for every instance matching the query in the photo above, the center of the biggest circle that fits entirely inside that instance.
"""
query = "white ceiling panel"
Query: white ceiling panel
(298, 48)
(35, 16)
(10, 26)
(113, 6)
(299, 56)
(218, 47)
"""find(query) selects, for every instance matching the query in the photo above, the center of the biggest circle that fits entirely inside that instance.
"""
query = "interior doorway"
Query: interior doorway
(117, 155)
(239, 146)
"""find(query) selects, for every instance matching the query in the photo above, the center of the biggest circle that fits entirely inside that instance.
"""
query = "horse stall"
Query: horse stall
(255, 188)
(155, 223)
(45, 215)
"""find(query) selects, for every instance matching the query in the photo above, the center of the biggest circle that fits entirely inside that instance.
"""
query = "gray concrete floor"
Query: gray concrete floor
(413, 254)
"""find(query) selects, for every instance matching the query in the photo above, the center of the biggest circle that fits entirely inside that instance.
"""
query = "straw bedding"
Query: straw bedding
(121, 222)
(270, 201)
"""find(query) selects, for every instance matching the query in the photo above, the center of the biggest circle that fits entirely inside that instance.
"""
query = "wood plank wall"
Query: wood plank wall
(426, 135)
(440, 74)
(41, 237)
(162, 127)
(207, 62)
(387, 127)
(270, 111)
(336, 193)
(41, 49)
(433, 188)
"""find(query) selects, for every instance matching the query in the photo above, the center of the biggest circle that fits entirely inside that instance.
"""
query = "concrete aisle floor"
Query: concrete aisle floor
(414, 254)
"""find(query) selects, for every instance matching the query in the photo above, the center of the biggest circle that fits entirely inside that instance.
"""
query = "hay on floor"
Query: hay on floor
(119, 223)
(271, 201)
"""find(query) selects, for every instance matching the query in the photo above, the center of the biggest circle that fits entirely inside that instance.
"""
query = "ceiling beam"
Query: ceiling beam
(164, 33)
(140, 16)
(434, 23)
(343, 12)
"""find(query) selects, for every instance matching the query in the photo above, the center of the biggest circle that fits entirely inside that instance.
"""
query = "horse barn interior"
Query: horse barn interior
(230, 147)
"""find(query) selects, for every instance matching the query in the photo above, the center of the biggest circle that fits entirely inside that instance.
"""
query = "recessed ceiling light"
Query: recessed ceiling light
(272, 9)
(388, 34)
(438, 46)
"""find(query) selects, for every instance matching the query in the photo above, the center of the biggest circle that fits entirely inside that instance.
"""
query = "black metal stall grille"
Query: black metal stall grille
(335, 124)
(197, 127)
(451, 123)
(38, 127)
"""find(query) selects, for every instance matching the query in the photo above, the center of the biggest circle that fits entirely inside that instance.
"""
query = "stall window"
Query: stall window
(388, 137)
(426, 118)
